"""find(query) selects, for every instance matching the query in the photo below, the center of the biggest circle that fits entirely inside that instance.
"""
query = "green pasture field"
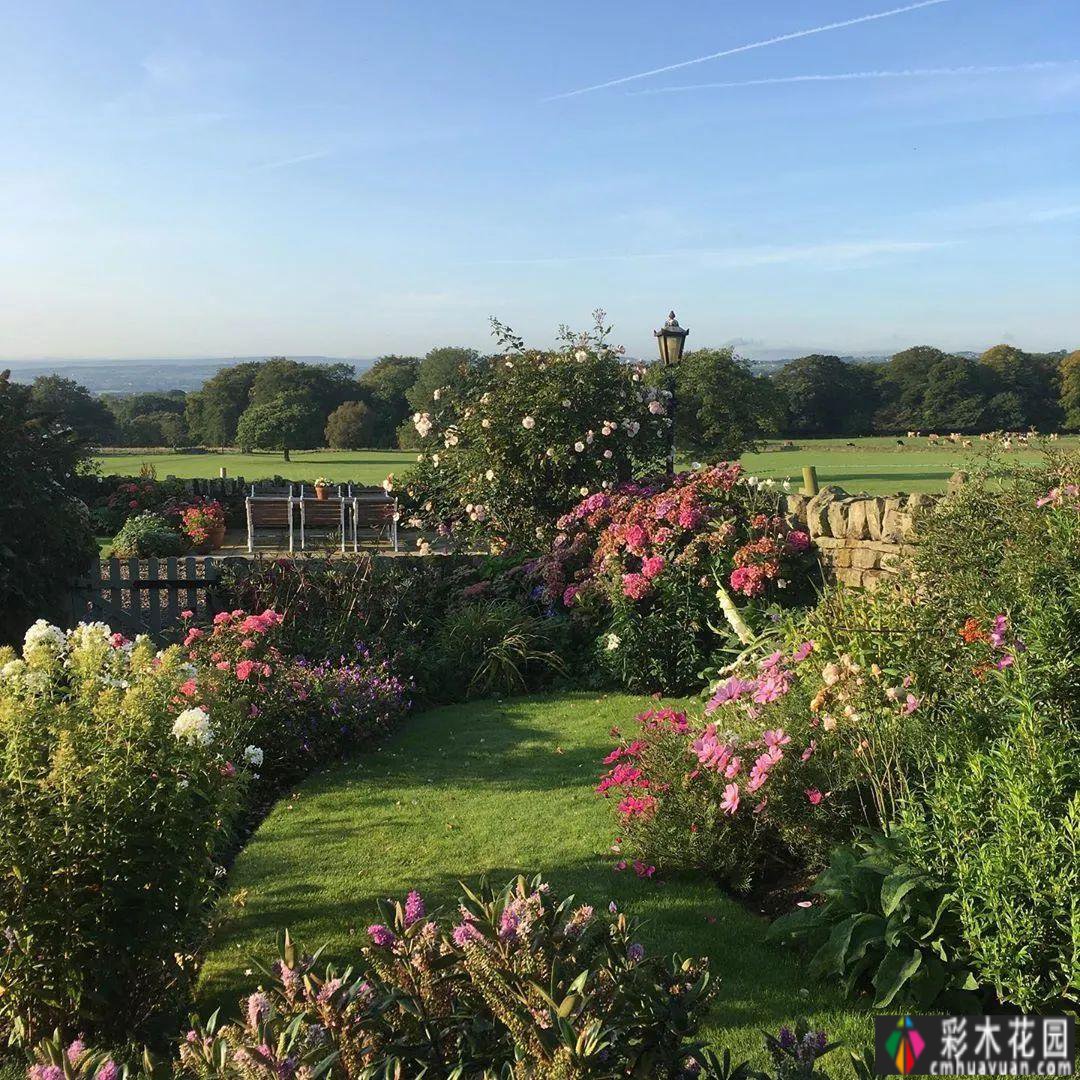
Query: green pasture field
(877, 465)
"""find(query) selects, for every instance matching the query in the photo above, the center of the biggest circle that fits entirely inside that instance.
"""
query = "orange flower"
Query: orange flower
(972, 631)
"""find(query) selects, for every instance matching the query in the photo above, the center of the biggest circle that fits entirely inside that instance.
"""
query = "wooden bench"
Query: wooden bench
(269, 512)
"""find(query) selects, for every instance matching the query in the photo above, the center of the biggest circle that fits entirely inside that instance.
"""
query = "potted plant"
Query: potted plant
(322, 488)
(204, 525)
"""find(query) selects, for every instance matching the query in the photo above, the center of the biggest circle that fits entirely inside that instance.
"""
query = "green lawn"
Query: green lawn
(875, 465)
(495, 788)
(339, 466)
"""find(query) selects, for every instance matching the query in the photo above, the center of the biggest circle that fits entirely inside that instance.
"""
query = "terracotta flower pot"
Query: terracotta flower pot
(321, 492)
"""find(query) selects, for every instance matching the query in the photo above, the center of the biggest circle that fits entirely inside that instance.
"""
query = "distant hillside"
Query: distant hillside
(136, 376)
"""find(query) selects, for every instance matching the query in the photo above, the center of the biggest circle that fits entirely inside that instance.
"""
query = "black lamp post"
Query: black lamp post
(671, 340)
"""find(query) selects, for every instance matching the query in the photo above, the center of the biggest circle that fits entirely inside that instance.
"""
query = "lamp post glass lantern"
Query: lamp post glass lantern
(670, 340)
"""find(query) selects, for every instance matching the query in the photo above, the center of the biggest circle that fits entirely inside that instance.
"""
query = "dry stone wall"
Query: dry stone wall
(860, 539)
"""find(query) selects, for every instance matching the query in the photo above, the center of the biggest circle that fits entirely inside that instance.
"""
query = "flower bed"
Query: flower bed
(656, 571)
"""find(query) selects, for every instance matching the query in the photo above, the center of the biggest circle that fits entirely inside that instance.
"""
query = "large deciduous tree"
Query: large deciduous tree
(722, 407)
(45, 534)
(73, 405)
(283, 423)
(1070, 390)
(213, 411)
(387, 382)
(351, 426)
(826, 396)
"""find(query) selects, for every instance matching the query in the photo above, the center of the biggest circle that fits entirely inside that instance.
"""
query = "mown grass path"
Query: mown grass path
(494, 788)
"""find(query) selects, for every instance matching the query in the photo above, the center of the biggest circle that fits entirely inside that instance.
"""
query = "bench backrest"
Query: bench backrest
(373, 512)
(269, 512)
(322, 512)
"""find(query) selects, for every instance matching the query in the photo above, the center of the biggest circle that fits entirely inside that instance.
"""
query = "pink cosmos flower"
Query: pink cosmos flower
(730, 802)
(731, 690)
(813, 796)
(803, 651)
(808, 753)
(779, 737)
(911, 703)
(642, 870)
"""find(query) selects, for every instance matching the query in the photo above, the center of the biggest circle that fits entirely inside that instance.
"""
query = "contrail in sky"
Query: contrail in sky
(846, 76)
(747, 48)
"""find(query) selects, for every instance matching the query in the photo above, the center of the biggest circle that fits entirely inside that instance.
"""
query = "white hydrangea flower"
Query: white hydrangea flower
(193, 725)
(253, 755)
(436, 395)
(388, 483)
(613, 642)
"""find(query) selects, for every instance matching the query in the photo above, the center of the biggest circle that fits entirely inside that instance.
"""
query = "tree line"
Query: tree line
(723, 404)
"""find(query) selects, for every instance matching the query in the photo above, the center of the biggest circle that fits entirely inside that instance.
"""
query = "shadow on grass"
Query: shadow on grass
(686, 915)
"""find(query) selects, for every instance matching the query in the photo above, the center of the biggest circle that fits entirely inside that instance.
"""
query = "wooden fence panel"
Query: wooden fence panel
(146, 596)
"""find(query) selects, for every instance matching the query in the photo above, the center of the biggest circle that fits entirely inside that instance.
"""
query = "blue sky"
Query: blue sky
(235, 178)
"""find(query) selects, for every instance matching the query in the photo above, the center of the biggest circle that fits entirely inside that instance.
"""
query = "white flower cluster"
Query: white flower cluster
(44, 637)
(423, 424)
(253, 755)
(193, 726)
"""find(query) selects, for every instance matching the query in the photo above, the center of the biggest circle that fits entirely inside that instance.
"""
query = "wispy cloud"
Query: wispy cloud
(848, 76)
(828, 254)
(284, 163)
(747, 48)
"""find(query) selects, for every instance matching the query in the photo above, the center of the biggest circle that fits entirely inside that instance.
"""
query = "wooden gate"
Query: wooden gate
(146, 596)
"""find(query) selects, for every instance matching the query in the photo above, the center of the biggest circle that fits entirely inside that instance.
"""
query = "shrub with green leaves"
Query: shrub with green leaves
(884, 926)
(518, 440)
(115, 803)
(147, 536)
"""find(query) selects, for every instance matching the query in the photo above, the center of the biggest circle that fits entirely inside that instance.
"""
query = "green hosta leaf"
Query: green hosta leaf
(893, 972)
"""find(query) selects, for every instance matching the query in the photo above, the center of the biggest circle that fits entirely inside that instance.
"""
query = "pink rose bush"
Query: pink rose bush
(648, 564)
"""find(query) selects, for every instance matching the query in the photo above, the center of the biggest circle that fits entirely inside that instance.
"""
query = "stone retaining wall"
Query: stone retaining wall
(860, 539)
